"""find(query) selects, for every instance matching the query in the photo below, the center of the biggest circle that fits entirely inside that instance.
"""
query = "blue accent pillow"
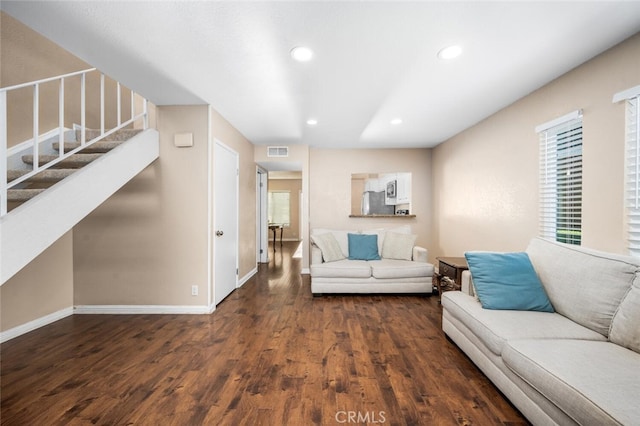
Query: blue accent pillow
(507, 281)
(363, 247)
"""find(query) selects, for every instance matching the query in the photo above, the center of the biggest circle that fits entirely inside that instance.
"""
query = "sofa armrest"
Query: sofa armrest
(316, 255)
(467, 283)
(419, 254)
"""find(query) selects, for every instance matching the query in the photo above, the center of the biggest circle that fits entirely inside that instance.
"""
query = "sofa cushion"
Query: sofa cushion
(495, 327)
(342, 269)
(398, 246)
(625, 327)
(382, 232)
(340, 236)
(595, 383)
(363, 247)
(584, 285)
(393, 268)
(329, 246)
(507, 281)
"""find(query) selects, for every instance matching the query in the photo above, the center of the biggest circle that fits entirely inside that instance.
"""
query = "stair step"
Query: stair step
(120, 135)
(65, 167)
(22, 195)
(74, 161)
(48, 175)
(98, 147)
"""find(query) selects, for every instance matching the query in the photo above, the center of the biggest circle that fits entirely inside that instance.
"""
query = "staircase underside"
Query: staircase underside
(29, 229)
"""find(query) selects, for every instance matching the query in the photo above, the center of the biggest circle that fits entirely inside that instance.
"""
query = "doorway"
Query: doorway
(225, 247)
(280, 177)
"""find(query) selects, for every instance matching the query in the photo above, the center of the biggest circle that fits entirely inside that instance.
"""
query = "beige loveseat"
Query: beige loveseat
(578, 365)
(402, 267)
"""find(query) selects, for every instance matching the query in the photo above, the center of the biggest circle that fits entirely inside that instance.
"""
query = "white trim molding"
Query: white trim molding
(210, 218)
(35, 324)
(141, 309)
(560, 120)
(247, 277)
(44, 137)
(626, 94)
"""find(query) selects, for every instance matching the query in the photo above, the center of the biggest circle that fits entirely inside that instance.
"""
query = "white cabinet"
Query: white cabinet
(375, 185)
(403, 188)
(397, 187)
(388, 182)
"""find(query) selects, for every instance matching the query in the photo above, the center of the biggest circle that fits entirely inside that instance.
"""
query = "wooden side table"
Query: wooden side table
(449, 276)
(274, 227)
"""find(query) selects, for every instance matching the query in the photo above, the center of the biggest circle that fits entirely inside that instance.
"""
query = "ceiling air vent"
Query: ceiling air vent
(277, 151)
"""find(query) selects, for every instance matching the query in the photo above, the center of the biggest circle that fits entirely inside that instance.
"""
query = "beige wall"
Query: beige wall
(27, 56)
(330, 187)
(147, 245)
(486, 178)
(43, 287)
(294, 186)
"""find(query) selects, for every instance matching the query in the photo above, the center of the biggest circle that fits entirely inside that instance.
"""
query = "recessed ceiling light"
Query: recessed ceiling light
(301, 54)
(312, 122)
(450, 52)
(396, 121)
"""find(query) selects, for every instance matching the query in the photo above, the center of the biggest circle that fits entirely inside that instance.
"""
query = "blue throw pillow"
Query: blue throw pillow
(507, 281)
(363, 247)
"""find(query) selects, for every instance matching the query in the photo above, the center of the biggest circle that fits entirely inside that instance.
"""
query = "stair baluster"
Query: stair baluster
(89, 145)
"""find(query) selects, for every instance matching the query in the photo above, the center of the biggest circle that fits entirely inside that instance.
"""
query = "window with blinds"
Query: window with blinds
(561, 179)
(279, 203)
(632, 165)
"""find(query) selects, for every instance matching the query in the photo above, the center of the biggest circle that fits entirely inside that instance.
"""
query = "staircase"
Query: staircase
(50, 183)
(38, 183)
(40, 216)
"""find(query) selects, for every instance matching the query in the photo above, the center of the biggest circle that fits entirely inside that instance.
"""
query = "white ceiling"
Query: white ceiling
(374, 61)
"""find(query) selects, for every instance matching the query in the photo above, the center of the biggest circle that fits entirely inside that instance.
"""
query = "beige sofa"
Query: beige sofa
(402, 267)
(578, 365)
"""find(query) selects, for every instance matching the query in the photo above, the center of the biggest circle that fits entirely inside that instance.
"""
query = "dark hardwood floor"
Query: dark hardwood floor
(271, 354)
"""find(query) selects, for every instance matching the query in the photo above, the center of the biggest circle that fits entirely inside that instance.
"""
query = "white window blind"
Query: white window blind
(632, 166)
(279, 207)
(561, 179)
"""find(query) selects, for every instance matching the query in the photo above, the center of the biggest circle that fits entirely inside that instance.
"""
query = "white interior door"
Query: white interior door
(262, 225)
(225, 208)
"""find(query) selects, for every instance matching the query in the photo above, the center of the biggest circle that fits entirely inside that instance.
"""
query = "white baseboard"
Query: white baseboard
(114, 310)
(141, 309)
(305, 271)
(247, 277)
(16, 149)
(37, 323)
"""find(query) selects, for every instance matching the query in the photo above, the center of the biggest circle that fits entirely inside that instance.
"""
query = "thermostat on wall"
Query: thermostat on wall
(183, 140)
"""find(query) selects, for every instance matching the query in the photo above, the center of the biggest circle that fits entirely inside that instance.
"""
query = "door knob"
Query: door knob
(219, 233)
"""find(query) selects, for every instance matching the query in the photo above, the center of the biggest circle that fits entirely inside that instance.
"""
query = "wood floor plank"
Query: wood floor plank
(271, 354)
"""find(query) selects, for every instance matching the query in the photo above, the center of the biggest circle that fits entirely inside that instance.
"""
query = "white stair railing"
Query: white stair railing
(5, 185)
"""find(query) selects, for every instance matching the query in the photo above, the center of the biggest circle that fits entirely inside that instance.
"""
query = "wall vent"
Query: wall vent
(277, 151)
